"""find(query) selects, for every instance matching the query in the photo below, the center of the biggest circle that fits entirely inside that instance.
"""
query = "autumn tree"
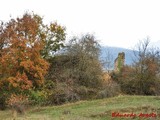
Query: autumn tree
(25, 43)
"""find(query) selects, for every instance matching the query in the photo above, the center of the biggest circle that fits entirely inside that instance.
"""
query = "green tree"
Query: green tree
(54, 36)
(85, 52)
(80, 60)
(77, 69)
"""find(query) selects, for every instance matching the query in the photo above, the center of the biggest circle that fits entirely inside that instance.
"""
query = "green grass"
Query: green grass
(93, 110)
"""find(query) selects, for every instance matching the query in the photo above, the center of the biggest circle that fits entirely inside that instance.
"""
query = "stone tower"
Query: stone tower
(119, 62)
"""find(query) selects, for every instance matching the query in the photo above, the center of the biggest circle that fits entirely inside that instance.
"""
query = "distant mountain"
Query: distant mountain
(113, 53)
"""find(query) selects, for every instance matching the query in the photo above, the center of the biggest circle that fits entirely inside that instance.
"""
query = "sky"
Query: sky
(119, 23)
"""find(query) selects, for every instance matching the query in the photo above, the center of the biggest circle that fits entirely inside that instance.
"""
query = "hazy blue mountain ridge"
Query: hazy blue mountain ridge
(113, 53)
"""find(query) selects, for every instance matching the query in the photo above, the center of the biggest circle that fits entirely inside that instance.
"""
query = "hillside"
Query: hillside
(103, 109)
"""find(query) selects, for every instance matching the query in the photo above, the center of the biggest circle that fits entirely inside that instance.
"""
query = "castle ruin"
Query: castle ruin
(119, 62)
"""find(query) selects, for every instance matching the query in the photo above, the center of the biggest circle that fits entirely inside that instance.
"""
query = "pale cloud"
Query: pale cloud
(115, 22)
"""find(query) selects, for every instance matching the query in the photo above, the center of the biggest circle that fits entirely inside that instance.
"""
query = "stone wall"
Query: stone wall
(119, 62)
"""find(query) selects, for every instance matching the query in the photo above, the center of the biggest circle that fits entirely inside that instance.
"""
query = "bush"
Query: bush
(110, 89)
(62, 94)
(86, 93)
(38, 97)
(134, 83)
(2, 103)
(18, 103)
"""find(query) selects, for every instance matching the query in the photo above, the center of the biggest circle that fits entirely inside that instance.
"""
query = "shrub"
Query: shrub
(38, 97)
(62, 94)
(110, 89)
(2, 103)
(85, 92)
(17, 103)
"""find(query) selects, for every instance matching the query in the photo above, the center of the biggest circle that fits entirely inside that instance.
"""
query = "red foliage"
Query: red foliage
(21, 65)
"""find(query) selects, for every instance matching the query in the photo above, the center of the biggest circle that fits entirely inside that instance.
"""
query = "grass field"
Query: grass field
(96, 110)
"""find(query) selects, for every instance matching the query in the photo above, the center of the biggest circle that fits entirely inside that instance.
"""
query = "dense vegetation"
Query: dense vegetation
(37, 67)
(142, 78)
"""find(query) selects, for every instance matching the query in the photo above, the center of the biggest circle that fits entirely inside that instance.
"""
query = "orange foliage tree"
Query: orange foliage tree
(24, 43)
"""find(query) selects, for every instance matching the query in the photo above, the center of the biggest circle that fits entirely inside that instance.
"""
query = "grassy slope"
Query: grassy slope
(93, 110)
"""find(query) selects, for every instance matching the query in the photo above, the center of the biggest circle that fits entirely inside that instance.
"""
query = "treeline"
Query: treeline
(37, 66)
